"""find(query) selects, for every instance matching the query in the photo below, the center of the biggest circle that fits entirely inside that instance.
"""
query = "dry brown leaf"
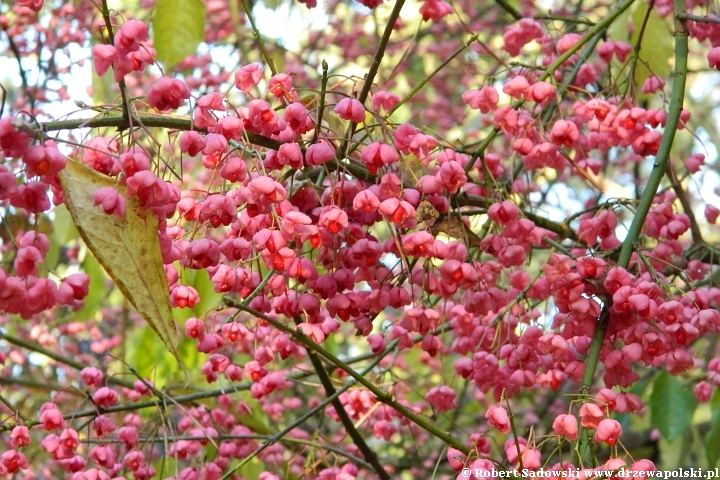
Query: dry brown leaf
(128, 248)
(426, 211)
(452, 226)
(309, 101)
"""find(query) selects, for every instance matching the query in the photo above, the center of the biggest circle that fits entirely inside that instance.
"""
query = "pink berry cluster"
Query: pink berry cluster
(24, 291)
(397, 283)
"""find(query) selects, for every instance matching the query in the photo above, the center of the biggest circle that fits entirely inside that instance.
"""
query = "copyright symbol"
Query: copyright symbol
(466, 472)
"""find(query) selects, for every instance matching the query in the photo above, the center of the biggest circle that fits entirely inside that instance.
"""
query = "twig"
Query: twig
(23, 75)
(321, 101)
(685, 202)
(57, 357)
(162, 121)
(258, 37)
(698, 18)
(382, 396)
(259, 288)
(13, 409)
(370, 77)
(357, 439)
(425, 80)
(380, 51)
(509, 9)
(561, 229)
(637, 47)
(121, 83)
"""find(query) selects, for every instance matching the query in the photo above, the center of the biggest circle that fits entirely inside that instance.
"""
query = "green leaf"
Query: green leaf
(252, 469)
(52, 257)
(272, 4)
(638, 388)
(712, 438)
(102, 88)
(191, 358)
(656, 48)
(151, 359)
(256, 420)
(671, 406)
(63, 225)
(178, 29)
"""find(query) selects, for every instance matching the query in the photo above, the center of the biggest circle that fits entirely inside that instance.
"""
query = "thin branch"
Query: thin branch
(345, 419)
(219, 438)
(370, 77)
(637, 47)
(425, 80)
(663, 154)
(698, 18)
(57, 357)
(682, 195)
(121, 83)
(380, 51)
(577, 20)
(562, 229)
(162, 121)
(23, 75)
(15, 411)
(382, 396)
(309, 414)
(258, 37)
(661, 162)
(512, 11)
(321, 101)
(260, 287)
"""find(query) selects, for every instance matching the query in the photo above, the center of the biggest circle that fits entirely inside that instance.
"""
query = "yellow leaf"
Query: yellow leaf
(128, 248)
